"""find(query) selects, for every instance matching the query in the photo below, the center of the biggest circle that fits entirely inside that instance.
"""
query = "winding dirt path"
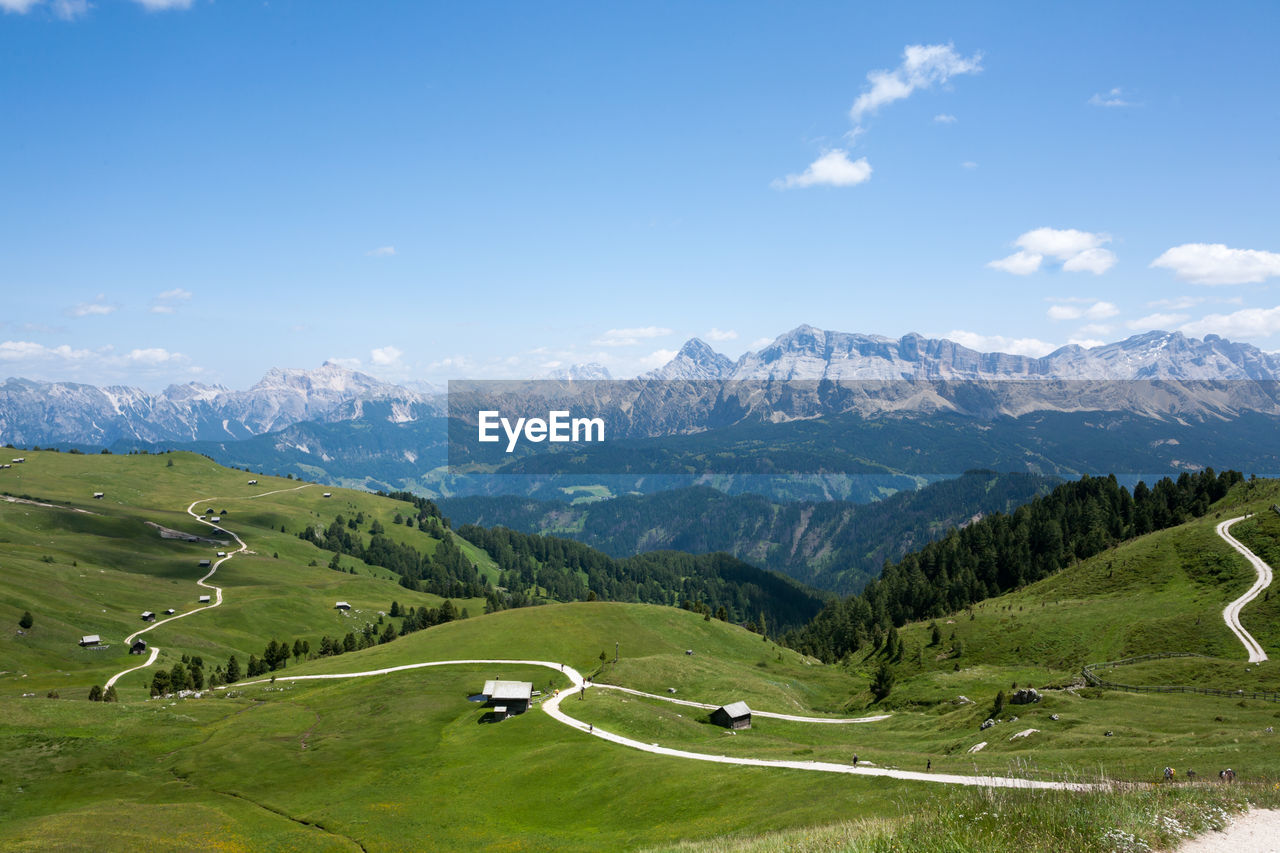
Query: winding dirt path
(1231, 613)
(551, 705)
(217, 590)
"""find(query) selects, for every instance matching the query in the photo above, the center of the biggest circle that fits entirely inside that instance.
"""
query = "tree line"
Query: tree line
(1005, 551)
(537, 568)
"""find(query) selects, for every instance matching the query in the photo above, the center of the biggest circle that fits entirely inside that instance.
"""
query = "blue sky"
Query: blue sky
(202, 191)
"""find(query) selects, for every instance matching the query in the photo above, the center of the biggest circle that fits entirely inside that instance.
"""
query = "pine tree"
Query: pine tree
(95, 693)
(26, 621)
(109, 695)
(882, 682)
(233, 670)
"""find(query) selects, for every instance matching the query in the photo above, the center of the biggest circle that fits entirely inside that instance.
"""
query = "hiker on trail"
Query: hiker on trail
(1191, 775)
(855, 759)
(928, 765)
(1168, 774)
(591, 727)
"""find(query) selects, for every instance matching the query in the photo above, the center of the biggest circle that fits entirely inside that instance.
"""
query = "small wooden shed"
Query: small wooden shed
(341, 605)
(139, 647)
(204, 599)
(90, 640)
(735, 715)
(148, 616)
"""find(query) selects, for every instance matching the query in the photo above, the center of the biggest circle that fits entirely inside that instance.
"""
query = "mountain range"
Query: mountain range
(339, 425)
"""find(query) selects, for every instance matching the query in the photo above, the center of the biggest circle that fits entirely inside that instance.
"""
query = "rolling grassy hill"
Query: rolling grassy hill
(404, 761)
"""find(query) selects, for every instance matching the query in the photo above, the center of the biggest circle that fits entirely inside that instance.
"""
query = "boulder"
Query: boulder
(988, 723)
(1025, 696)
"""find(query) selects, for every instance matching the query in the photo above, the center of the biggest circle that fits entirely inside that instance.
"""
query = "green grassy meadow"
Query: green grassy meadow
(405, 762)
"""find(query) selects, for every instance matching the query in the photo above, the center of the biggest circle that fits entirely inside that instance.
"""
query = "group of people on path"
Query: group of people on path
(1227, 775)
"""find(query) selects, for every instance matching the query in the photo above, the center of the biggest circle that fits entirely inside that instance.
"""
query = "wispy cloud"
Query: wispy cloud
(657, 358)
(1077, 251)
(1113, 98)
(1096, 311)
(31, 351)
(1215, 263)
(999, 343)
(385, 356)
(832, 169)
(721, 335)
(97, 308)
(631, 337)
(1245, 323)
(163, 5)
(1180, 303)
(168, 301)
(19, 7)
(969, 164)
(944, 118)
(923, 67)
(381, 252)
(1158, 320)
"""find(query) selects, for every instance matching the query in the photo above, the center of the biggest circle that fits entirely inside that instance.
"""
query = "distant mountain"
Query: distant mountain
(52, 412)
(808, 353)
(695, 360)
(833, 545)
(581, 372)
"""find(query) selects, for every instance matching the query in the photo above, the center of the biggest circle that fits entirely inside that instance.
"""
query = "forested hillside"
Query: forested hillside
(836, 545)
(1005, 551)
(718, 584)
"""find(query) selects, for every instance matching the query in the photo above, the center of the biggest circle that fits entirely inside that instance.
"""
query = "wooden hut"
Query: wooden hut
(735, 715)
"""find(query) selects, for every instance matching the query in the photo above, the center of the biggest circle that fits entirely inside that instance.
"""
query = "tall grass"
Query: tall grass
(1122, 819)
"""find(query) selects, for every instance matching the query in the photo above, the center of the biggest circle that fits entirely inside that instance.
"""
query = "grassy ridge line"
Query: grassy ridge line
(90, 566)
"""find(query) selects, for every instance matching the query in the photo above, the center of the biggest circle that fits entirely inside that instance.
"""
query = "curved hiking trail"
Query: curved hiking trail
(1231, 613)
(551, 704)
(217, 590)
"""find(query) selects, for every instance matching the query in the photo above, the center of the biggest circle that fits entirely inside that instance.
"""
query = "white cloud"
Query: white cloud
(1215, 263)
(381, 252)
(833, 169)
(1180, 303)
(1245, 323)
(69, 10)
(630, 337)
(1095, 329)
(98, 308)
(944, 118)
(1079, 251)
(1157, 320)
(657, 358)
(164, 303)
(1096, 311)
(152, 356)
(162, 5)
(1019, 263)
(29, 351)
(721, 335)
(969, 164)
(348, 363)
(1096, 261)
(1087, 343)
(1114, 98)
(923, 66)
(385, 356)
(21, 7)
(759, 344)
(999, 343)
